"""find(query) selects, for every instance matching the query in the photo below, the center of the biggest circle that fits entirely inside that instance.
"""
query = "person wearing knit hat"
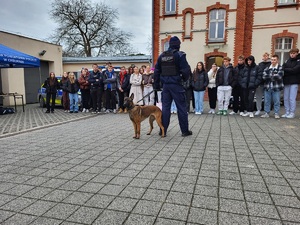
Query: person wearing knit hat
(171, 70)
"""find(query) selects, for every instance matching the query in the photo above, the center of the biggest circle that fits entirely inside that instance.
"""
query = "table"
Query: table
(16, 96)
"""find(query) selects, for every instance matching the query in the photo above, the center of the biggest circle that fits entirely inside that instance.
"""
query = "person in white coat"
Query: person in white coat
(136, 86)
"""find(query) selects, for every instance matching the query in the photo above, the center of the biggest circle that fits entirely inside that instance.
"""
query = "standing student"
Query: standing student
(226, 79)
(259, 93)
(199, 84)
(72, 86)
(250, 80)
(51, 84)
(136, 86)
(123, 88)
(84, 89)
(110, 88)
(96, 86)
(212, 90)
(273, 85)
(147, 82)
(65, 95)
(291, 82)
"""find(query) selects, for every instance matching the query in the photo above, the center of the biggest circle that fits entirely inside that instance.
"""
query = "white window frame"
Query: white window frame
(217, 21)
(168, 7)
(283, 50)
(286, 2)
(166, 46)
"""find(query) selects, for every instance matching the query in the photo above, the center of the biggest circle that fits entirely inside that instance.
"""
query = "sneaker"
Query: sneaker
(83, 110)
(107, 111)
(52, 111)
(290, 116)
(225, 112)
(87, 111)
(266, 115)
(120, 110)
(213, 111)
(285, 115)
(232, 113)
(187, 133)
(242, 113)
(210, 111)
(220, 112)
(48, 111)
(114, 111)
(66, 111)
(246, 114)
(198, 113)
(257, 113)
(94, 112)
(251, 115)
(277, 116)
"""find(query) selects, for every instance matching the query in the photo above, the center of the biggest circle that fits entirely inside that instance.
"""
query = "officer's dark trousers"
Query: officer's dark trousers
(176, 92)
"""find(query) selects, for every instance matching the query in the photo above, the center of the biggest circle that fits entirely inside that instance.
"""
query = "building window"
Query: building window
(166, 46)
(286, 2)
(216, 25)
(282, 48)
(170, 7)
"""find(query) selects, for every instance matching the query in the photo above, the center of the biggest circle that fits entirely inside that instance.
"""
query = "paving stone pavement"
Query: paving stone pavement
(232, 170)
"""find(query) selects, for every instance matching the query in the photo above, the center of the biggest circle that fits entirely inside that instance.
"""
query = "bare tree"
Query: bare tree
(88, 29)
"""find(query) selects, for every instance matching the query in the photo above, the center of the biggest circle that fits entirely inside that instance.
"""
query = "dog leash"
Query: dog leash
(146, 96)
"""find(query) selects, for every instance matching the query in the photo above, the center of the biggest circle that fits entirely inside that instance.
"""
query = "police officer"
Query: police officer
(171, 70)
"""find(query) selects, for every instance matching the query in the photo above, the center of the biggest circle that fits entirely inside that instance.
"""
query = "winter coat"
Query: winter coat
(72, 87)
(291, 70)
(136, 88)
(83, 82)
(232, 77)
(239, 73)
(200, 80)
(250, 77)
(212, 78)
(63, 82)
(273, 78)
(95, 80)
(147, 79)
(51, 88)
(261, 67)
(110, 80)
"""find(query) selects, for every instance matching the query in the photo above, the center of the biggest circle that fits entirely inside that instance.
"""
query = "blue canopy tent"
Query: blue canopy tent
(10, 58)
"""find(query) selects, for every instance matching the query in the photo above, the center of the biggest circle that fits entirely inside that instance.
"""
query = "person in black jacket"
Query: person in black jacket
(72, 86)
(226, 79)
(96, 86)
(237, 93)
(250, 81)
(171, 70)
(291, 80)
(51, 84)
(259, 93)
(199, 84)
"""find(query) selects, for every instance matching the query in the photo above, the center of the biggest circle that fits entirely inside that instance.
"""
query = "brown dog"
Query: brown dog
(139, 113)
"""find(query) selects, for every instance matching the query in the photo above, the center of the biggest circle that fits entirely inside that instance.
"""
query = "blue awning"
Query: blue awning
(10, 58)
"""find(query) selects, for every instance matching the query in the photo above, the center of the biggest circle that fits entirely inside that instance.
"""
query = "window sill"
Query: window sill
(286, 5)
(171, 13)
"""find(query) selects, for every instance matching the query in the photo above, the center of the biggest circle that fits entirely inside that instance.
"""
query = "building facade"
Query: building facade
(28, 80)
(211, 30)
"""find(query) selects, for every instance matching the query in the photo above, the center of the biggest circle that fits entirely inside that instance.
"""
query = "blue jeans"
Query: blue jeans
(290, 95)
(269, 94)
(73, 102)
(199, 96)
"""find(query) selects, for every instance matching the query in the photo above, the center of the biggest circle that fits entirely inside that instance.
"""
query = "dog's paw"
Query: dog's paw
(148, 133)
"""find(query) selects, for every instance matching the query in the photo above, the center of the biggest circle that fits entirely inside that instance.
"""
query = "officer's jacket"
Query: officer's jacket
(171, 68)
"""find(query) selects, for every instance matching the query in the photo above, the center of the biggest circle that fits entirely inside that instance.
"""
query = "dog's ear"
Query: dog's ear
(132, 96)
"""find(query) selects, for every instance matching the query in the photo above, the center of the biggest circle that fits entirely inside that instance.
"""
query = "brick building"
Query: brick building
(210, 30)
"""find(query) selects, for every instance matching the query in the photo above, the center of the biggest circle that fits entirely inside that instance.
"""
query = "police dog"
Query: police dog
(139, 113)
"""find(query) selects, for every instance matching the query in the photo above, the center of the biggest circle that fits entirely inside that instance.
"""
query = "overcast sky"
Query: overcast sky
(31, 18)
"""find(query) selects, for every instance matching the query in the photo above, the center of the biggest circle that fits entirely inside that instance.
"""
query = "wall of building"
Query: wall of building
(12, 80)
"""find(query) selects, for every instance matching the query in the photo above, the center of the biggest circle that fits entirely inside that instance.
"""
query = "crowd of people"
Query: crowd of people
(104, 91)
(101, 91)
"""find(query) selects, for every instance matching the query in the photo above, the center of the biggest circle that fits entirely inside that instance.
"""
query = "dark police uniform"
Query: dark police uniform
(171, 70)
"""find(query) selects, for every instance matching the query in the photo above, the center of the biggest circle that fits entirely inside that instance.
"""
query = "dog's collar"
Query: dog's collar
(131, 107)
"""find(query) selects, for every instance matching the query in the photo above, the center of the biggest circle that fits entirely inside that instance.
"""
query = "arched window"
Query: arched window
(216, 25)
(285, 2)
(188, 22)
(282, 47)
